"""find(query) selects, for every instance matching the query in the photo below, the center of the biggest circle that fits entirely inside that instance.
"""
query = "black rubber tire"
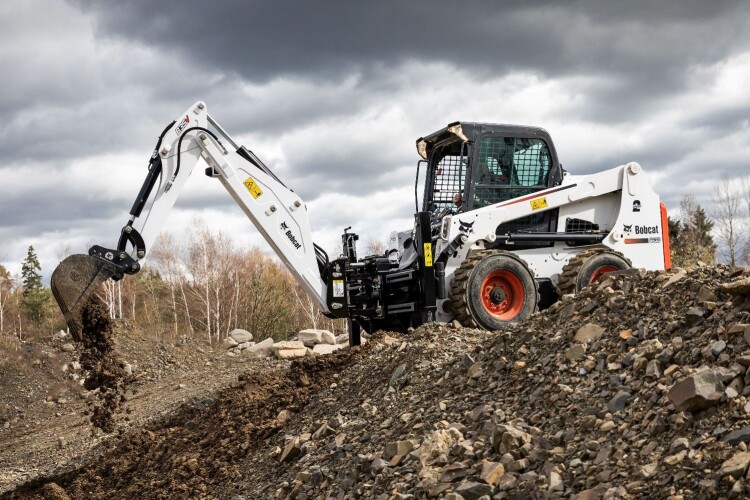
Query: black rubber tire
(578, 273)
(466, 289)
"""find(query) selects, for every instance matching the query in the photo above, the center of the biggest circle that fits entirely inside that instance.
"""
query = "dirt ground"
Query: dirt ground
(45, 411)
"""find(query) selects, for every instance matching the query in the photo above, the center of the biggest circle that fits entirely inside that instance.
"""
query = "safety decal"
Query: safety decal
(428, 254)
(254, 189)
(338, 288)
(539, 203)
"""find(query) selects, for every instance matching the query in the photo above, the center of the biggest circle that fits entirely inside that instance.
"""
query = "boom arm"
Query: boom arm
(275, 210)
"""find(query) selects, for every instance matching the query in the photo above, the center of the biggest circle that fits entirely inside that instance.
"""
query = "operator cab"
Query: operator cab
(489, 164)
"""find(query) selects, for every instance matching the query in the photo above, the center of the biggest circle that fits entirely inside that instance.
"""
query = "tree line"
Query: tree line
(206, 286)
(199, 289)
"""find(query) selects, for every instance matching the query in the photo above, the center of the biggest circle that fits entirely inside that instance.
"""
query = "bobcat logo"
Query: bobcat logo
(627, 228)
(465, 227)
(284, 226)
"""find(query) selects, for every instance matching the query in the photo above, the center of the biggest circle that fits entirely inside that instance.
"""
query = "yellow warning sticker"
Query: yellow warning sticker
(428, 254)
(338, 288)
(539, 203)
(254, 189)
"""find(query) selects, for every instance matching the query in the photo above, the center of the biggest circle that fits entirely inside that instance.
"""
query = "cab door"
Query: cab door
(508, 167)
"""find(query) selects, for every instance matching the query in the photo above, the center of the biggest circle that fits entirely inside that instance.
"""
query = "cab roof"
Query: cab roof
(471, 131)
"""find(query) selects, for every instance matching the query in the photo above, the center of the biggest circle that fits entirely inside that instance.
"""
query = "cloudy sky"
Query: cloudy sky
(332, 95)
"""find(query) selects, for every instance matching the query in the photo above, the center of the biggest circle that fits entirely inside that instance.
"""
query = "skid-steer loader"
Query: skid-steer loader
(503, 229)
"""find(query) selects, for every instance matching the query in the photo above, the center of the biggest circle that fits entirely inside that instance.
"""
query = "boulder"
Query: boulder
(292, 450)
(239, 335)
(229, 342)
(696, 392)
(492, 472)
(310, 337)
(288, 344)
(588, 332)
(400, 448)
(739, 287)
(327, 348)
(436, 447)
(342, 339)
(735, 466)
(574, 352)
(291, 353)
(329, 338)
(263, 348)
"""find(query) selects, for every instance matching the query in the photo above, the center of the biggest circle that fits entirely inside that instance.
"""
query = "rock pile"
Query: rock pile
(307, 343)
(637, 386)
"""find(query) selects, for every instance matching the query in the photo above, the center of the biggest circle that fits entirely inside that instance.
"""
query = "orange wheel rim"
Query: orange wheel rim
(601, 272)
(502, 294)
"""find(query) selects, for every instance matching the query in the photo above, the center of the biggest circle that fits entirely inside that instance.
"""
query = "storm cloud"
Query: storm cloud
(332, 95)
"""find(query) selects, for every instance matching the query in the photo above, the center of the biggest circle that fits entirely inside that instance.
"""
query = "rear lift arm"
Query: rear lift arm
(275, 210)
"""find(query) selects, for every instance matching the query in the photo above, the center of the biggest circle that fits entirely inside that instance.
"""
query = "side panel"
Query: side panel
(620, 200)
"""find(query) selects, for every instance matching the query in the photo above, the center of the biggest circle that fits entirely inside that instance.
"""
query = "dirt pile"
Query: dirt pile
(105, 370)
(199, 448)
(639, 386)
(574, 401)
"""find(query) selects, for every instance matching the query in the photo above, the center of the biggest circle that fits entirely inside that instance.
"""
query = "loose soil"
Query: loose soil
(105, 369)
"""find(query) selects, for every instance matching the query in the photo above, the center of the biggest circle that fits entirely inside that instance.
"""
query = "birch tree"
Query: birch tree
(728, 214)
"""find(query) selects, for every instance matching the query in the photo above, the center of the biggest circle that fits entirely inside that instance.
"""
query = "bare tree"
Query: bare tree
(375, 247)
(165, 254)
(728, 215)
(6, 285)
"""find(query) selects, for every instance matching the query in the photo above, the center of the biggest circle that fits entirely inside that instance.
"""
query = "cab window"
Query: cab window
(508, 167)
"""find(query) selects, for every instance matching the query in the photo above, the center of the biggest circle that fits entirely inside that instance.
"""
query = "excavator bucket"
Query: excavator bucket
(73, 282)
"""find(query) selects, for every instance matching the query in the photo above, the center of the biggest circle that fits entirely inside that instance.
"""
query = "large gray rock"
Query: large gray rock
(739, 436)
(739, 287)
(588, 332)
(328, 337)
(696, 392)
(342, 339)
(291, 353)
(397, 448)
(436, 446)
(288, 344)
(310, 336)
(262, 348)
(327, 348)
(735, 466)
(240, 336)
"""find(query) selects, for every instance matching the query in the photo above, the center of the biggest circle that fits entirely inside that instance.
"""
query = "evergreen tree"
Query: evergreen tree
(35, 296)
(690, 236)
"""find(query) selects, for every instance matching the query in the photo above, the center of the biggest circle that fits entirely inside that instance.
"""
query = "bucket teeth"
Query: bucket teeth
(73, 282)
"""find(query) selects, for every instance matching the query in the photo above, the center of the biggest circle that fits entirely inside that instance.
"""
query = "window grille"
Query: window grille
(509, 167)
(449, 177)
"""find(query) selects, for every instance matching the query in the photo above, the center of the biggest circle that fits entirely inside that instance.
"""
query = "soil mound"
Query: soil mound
(638, 386)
